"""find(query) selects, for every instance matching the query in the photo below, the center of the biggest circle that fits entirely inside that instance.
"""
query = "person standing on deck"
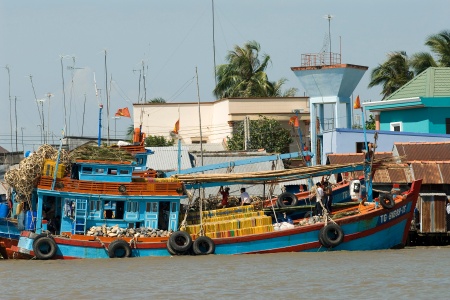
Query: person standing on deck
(245, 198)
(319, 197)
(328, 191)
(225, 193)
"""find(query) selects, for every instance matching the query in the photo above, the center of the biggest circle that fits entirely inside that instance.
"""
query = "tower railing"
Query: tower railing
(320, 59)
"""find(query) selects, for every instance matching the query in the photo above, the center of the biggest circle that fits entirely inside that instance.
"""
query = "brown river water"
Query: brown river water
(410, 273)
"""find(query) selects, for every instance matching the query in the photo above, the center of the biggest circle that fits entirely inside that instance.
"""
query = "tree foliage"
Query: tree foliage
(264, 133)
(157, 141)
(398, 69)
(370, 124)
(157, 100)
(244, 75)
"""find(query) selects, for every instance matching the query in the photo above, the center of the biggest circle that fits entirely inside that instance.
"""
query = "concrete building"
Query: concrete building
(217, 118)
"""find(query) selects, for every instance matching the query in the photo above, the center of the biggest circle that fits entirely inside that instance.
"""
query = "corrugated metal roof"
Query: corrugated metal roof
(431, 172)
(166, 158)
(399, 175)
(430, 151)
(433, 82)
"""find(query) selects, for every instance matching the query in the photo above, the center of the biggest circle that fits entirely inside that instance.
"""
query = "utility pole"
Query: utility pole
(15, 117)
(10, 105)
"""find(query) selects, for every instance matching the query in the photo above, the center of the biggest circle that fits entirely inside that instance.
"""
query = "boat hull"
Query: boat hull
(374, 229)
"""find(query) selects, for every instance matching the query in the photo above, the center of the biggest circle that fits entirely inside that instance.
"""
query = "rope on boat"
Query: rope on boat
(103, 244)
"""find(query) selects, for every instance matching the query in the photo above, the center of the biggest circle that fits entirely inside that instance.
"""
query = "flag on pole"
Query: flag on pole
(293, 121)
(123, 112)
(176, 128)
(357, 103)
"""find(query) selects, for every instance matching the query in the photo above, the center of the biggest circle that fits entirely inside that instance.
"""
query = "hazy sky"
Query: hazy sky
(171, 39)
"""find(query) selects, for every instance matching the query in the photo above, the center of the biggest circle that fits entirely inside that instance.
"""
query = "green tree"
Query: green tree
(244, 75)
(370, 124)
(440, 46)
(157, 141)
(264, 133)
(157, 100)
(130, 132)
(392, 74)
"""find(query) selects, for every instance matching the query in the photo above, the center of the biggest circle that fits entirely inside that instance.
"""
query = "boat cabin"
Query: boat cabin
(105, 193)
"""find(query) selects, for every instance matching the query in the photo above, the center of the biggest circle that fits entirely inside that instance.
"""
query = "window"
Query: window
(112, 171)
(132, 206)
(447, 126)
(86, 170)
(151, 207)
(94, 205)
(360, 146)
(122, 172)
(396, 126)
(99, 170)
(174, 207)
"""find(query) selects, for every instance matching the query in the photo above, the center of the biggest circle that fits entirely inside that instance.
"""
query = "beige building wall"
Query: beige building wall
(217, 118)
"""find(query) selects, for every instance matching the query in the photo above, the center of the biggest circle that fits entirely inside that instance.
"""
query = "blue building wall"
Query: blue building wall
(420, 120)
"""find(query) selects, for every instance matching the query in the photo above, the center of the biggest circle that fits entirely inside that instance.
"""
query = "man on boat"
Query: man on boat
(245, 198)
(319, 197)
(328, 191)
(225, 193)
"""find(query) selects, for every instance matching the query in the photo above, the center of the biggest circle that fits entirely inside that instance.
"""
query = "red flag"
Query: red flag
(293, 121)
(123, 112)
(176, 128)
(357, 103)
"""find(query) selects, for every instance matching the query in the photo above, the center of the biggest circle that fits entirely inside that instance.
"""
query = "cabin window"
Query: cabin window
(124, 172)
(139, 161)
(94, 205)
(132, 207)
(86, 170)
(396, 126)
(151, 207)
(447, 126)
(174, 207)
(112, 171)
(99, 170)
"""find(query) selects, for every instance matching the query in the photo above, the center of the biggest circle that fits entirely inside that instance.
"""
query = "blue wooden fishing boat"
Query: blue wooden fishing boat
(107, 210)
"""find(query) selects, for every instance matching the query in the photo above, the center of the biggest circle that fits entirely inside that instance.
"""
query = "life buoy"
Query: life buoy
(386, 201)
(180, 241)
(119, 249)
(287, 199)
(203, 246)
(44, 247)
(331, 235)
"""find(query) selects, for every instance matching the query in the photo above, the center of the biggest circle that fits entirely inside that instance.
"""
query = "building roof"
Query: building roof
(397, 175)
(166, 158)
(420, 151)
(433, 82)
(3, 150)
(431, 172)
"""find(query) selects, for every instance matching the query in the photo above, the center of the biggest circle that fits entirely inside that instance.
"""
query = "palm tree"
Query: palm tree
(392, 74)
(440, 47)
(277, 92)
(244, 75)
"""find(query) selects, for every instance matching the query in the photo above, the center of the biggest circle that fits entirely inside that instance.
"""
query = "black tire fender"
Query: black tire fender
(180, 241)
(203, 245)
(322, 242)
(44, 247)
(331, 235)
(286, 196)
(119, 249)
(170, 250)
(386, 201)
